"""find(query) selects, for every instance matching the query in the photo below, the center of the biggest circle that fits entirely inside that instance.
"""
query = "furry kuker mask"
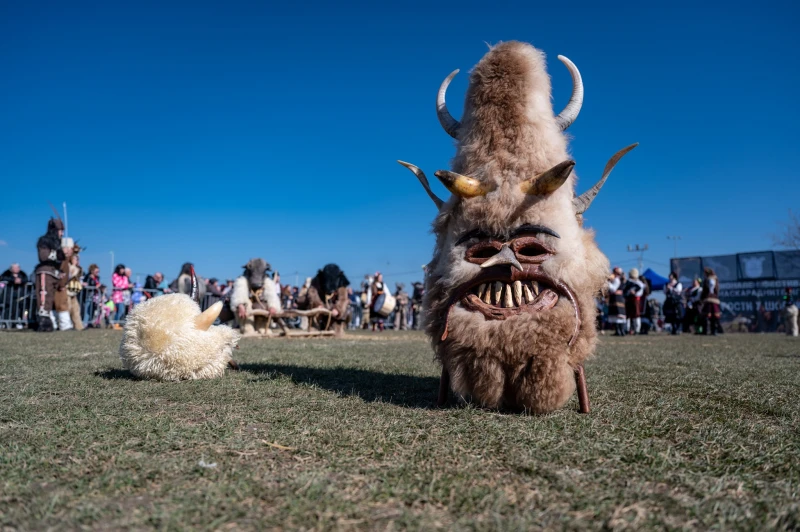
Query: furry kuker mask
(509, 300)
(168, 338)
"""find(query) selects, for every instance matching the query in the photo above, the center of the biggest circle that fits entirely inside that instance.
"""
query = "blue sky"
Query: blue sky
(216, 132)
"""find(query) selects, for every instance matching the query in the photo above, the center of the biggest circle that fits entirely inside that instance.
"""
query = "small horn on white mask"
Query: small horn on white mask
(208, 317)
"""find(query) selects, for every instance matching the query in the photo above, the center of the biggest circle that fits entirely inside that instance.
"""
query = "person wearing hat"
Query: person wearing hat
(633, 291)
(48, 273)
(401, 314)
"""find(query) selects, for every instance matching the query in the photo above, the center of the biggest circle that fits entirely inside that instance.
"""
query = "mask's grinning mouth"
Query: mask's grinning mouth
(506, 295)
(499, 294)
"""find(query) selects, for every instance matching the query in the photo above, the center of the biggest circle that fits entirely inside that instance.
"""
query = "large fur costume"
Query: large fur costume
(328, 289)
(254, 290)
(509, 302)
(167, 338)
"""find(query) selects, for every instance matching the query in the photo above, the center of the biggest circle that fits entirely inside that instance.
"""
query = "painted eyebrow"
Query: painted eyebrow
(475, 233)
(532, 228)
(527, 228)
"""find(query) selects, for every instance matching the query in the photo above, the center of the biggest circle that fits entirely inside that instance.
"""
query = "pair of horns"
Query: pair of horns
(460, 185)
(541, 185)
(564, 119)
(549, 181)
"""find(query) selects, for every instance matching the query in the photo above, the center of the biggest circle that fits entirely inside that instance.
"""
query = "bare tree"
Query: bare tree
(789, 237)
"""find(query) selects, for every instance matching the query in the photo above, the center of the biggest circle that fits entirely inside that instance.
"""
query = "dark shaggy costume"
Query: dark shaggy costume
(47, 273)
(329, 290)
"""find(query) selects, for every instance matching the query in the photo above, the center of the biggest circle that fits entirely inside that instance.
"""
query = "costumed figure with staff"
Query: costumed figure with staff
(47, 273)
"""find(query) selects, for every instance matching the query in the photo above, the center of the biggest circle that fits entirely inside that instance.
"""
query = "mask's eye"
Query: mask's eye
(480, 252)
(484, 253)
(531, 251)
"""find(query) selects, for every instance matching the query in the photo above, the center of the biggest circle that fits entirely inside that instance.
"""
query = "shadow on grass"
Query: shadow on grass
(371, 386)
(115, 374)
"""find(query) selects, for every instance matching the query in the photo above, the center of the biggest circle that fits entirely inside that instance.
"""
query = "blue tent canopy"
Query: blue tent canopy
(656, 280)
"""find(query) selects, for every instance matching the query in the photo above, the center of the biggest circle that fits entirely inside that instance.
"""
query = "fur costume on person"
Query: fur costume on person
(167, 338)
(509, 302)
(47, 274)
(328, 289)
(254, 290)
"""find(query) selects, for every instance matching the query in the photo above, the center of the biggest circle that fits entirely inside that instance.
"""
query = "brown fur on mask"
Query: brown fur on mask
(518, 352)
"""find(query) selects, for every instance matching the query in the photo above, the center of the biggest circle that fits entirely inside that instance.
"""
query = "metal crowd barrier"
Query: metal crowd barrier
(19, 306)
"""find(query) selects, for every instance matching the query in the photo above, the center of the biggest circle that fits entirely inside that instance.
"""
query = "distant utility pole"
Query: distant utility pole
(640, 250)
(675, 239)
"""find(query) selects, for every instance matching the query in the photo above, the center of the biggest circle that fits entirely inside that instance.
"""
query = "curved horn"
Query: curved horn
(449, 123)
(55, 211)
(549, 181)
(582, 202)
(424, 181)
(566, 117)
(195, 291)
(463, 186)
(207, 318)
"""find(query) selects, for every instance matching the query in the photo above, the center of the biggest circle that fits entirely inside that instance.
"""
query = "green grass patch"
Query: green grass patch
(688, 432)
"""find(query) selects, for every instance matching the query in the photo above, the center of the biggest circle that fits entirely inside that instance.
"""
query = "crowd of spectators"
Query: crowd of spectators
(106, 305)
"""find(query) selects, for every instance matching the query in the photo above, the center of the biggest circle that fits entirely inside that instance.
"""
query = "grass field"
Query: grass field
(685, 432)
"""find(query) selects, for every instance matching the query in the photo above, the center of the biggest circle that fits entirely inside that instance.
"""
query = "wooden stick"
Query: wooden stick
(444, 389)
(583, 391)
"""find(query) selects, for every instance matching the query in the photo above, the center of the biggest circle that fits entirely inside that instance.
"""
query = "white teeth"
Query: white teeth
(535, 288)
(486, 294)
(517, 293)
(498, 293)
(528, 293)
(507, 301)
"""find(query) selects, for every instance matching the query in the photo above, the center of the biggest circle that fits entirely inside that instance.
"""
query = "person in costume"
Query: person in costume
(509, 300)
(61, 300)
(790, 313)
(254, 290)
(634, 290)
(616, 301)
(47, 273)
(74, 286)
(328, 289)
(711, 312)
(416, 305)
(673, 303)
(401, 314)
(377, 288)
